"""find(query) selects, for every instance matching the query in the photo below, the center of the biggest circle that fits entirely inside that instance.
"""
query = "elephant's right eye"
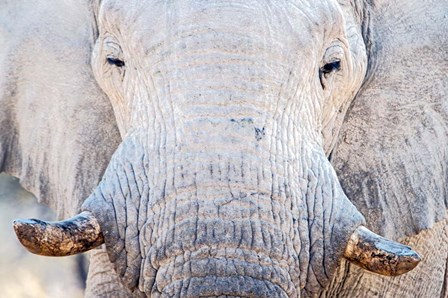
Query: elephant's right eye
(115, 62)
(327, 70)
(330, 67)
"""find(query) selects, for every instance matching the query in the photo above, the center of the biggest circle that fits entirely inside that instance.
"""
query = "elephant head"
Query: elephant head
(221, 117)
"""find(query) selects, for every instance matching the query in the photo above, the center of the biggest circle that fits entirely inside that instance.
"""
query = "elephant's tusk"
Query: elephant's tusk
(63, 238)
(380, 255)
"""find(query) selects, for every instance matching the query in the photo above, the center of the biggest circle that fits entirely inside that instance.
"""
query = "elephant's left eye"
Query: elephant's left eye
(332, 64)
(327, 71)
(115, 62)
(330, 67)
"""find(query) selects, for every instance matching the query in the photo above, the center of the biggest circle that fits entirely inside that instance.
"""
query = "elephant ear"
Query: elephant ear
(57, 128)
(392, 156)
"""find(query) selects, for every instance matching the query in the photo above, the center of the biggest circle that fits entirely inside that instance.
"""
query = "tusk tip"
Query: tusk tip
(26, 231)
(380, 255)
(76, 235)
(400, 257)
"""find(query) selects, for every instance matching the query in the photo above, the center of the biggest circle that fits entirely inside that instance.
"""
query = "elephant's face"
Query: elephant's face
(298, 61)
(227, 110)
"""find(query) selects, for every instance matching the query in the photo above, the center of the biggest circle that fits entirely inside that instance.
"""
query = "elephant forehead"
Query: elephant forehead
(303, 22)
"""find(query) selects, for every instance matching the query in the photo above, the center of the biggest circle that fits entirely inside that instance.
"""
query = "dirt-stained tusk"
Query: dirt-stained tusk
(62, 238)
(380, 255)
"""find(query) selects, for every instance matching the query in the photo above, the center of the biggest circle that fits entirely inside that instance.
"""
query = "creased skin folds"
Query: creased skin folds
(238, 220)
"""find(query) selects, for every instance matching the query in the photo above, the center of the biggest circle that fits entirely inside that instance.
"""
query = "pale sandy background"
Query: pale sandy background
(23, 274)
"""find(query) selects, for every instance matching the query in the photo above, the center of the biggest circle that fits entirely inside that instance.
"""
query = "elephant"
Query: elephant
(233, 148)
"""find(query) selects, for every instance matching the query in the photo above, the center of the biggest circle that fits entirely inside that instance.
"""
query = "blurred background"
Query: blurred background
(23, 274)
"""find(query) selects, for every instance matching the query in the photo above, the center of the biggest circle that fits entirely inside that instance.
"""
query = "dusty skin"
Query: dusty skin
(233, 148)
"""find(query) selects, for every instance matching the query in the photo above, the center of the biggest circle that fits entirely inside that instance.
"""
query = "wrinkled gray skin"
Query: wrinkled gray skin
(216, 135)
